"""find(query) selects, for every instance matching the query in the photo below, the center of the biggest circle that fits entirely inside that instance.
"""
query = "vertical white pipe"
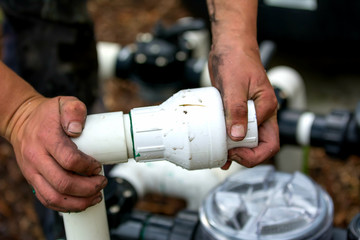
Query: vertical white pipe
(303, 128)
(89, 224)
(107, 138)
(292, 85)
(107, 54)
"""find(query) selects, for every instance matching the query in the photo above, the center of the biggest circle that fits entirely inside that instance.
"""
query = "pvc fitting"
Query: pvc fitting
(188, 130)
(291, 84)
(106, 137)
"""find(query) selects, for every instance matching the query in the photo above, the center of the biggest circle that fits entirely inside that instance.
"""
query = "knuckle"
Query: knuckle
(64, 185)
(79, 208)
(70, 160)
(238, 110)
(30, 155)
(252, 161)
(273, 104)
(241, 108)
(75, 106)
(51, 201)
(277, 148)
(250, 164)
(83, 206)
(45, 132)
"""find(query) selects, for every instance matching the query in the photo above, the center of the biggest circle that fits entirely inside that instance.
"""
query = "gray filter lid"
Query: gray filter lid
(261, 203)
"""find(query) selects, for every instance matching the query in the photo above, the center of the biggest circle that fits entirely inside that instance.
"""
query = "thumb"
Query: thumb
(72, 115)
(236, 114)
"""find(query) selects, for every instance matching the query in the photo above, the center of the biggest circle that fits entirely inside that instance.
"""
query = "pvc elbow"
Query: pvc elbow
(291, 83)
(106, 137)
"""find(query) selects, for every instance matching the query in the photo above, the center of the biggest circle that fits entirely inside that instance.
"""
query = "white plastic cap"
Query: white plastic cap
(251, 138)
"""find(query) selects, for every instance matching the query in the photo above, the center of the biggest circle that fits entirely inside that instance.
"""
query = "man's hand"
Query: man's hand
(239, 75)
(64, 179)
(236, 70)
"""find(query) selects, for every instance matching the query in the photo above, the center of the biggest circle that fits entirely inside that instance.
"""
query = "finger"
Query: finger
(234, 95)
(72, 115)
(236, 115)
(50, 198)
(265, 105)
(226, 165)
(267, 148)
(70, 158)
(69, 183)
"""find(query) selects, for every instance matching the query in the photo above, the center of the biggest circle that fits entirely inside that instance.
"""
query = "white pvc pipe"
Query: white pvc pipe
(170, 180)
(107, 53)
(303, 128)
(89, 224)
(205, 80)
(291, 83)
(106, 137)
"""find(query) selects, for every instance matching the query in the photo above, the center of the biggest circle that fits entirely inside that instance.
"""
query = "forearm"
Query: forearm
(233, 20)
(15, 94)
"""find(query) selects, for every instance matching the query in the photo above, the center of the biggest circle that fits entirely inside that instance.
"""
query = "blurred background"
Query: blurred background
(321, 43)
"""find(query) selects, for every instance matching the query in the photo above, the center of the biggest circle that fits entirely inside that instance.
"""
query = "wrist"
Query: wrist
(20, 115)
(15, 95)
(233, 20)
(239, 48)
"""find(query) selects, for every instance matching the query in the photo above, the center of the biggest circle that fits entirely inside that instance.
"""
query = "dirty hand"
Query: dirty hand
(239, 75)
(63, 178)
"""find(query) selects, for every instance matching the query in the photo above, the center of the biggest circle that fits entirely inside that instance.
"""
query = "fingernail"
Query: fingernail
(237, 159)
(97, 170)
(96, 200)
(75, 127)
(238, 131)
(226, 166)
(104, 183)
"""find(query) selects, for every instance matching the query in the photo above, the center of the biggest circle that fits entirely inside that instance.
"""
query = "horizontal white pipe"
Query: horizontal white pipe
(170, 180)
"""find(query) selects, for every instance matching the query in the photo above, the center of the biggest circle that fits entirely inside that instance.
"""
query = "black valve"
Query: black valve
(146, 226)
(155, 57)
(120, 199)
(338, 132)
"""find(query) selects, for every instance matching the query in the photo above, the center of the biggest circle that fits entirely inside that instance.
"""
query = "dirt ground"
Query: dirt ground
(120, 21)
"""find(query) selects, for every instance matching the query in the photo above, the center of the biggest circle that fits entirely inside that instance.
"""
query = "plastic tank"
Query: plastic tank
(261, 203)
